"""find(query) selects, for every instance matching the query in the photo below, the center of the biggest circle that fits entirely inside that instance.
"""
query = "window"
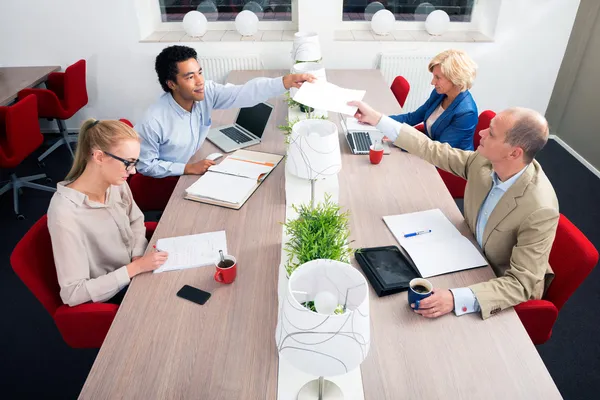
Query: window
(226, 10)
(408, 10)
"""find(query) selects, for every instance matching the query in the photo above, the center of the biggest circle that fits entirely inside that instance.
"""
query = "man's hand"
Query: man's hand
(197, 168)
(365, 113)
(441, 302)
(296, 80)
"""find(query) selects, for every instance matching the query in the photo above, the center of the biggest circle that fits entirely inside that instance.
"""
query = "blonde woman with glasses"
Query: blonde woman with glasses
(97, 230)
(450, 114)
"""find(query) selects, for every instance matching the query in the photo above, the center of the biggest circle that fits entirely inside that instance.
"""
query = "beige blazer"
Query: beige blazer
(520, 231)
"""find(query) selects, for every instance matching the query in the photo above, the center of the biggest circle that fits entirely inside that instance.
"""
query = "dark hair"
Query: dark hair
(166, 63)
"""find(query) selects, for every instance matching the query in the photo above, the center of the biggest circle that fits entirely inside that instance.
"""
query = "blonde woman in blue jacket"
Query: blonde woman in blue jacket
(450, 113)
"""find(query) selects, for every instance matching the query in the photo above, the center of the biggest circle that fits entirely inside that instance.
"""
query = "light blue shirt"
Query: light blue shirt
(171, 135)
(464, 300)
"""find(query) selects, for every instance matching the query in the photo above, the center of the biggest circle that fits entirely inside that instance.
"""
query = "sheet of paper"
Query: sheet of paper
(441, 251)
(239, 167)
(222, 187)
(192, 251)
(327, 96)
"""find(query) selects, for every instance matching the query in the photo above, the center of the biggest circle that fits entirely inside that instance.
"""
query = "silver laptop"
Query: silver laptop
(247, 130)
(360, 141)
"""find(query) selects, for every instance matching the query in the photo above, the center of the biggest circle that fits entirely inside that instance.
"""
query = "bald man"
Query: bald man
(510, 206)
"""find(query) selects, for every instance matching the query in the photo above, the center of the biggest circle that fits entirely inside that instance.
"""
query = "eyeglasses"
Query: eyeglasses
(129, 165)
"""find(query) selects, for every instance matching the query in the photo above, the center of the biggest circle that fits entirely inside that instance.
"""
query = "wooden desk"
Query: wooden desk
(15, 79)
(162, 347)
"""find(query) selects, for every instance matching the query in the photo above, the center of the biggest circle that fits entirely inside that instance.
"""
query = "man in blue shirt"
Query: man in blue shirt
(510, 206)
(175, 127)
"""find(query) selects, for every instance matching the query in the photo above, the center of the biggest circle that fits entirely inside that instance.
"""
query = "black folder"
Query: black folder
(388, 268)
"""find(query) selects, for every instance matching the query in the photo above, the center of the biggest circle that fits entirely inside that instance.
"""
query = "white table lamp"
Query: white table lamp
(246, 23)
(324, 344)
(195, 24)
(306, 47)
(314, 151)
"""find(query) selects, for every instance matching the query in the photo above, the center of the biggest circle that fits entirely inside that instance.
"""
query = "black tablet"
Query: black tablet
(388, 268)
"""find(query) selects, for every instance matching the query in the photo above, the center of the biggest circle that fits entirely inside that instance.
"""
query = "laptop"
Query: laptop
(360, 138)
(247, 131)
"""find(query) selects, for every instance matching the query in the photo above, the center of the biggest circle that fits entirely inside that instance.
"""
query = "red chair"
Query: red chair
(66, 94)
(82, 326)
(20, 136)
(572, 258)
(400, 88)
(150, 194)
(455, 184)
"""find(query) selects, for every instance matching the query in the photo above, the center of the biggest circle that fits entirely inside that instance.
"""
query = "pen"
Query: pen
(417, 233)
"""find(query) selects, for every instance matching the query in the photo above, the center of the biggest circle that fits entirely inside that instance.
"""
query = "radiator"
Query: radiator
(414, 69)
(217, 68)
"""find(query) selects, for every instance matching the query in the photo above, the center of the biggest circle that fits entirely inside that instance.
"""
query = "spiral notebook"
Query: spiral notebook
(231, 182)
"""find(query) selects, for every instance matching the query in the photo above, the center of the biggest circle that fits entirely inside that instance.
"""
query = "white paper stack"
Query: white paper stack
(192, 251)
(441, 251)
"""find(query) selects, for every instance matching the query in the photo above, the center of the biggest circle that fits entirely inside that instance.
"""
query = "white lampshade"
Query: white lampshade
(383, 22)
(320, 344)
(195, 24)
(306, 47)
(314, 68)
(246, 23)
(314, 149)
(437, 23)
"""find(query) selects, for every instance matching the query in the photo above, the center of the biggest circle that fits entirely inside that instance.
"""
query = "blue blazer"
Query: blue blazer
(456, 125)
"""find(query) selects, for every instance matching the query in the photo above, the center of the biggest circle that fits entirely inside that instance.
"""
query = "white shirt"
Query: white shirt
(433, 117)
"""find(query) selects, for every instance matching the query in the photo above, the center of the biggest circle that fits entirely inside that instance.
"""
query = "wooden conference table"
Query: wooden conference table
(163, 347)
(15, 79)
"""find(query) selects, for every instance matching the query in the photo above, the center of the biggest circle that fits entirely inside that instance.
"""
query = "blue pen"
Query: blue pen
(417, 233)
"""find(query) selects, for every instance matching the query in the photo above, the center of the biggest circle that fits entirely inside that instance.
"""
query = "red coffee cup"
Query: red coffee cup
(226, 270)
(375, 156)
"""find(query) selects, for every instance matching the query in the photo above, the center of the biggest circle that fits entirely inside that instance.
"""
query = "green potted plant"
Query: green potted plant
(318, 232)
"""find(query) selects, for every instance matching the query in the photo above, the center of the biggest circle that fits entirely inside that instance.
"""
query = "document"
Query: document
(327, 96)
(434, 244)
(245, 168)
(192, 251)
(222, 187)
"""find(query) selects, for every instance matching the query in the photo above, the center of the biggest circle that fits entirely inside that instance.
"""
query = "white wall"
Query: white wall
(519, 68)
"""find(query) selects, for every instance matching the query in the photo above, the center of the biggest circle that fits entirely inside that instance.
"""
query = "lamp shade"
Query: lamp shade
(324, 344)
(383, 22)
(314, 68)
(195, 24)
(246, 23)
(314, 149)
(437, 23)
(306, 47)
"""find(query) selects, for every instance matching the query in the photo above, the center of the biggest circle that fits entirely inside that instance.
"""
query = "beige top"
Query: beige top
(433, 117)
(93, 242)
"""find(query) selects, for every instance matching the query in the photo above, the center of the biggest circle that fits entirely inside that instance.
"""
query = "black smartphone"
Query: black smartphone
(192, 294)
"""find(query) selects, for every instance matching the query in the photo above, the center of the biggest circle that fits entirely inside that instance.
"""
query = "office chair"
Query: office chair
(82, 326)
(66, 94)
(572, 258)
(150, 194)
(20, 136)
(400, 88)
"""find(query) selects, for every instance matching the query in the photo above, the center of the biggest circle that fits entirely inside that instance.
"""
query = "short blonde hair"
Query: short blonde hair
(457, 66)
(95, 134)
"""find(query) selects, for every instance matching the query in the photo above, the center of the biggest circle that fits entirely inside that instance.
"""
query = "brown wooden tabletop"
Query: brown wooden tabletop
(15, 79)
(163, 347)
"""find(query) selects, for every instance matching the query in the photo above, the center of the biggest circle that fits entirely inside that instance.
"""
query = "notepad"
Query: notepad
(231, 182)
(192, 251)
(327, 96)
(441, 251)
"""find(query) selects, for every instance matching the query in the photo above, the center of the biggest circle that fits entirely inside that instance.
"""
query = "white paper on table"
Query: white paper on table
(327, 96)
(222, 187)
(192, 251)
(238, 167)
(442, 251)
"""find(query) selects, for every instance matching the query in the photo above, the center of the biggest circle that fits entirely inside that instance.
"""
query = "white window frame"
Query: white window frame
(230, 25)
(478, 18)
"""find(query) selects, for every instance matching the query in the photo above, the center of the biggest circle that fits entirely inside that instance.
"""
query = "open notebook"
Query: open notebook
(192, 250)
(234, 180)
(441, 251)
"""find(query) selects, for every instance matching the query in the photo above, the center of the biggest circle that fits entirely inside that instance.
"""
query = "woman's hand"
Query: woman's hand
(149, 262)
